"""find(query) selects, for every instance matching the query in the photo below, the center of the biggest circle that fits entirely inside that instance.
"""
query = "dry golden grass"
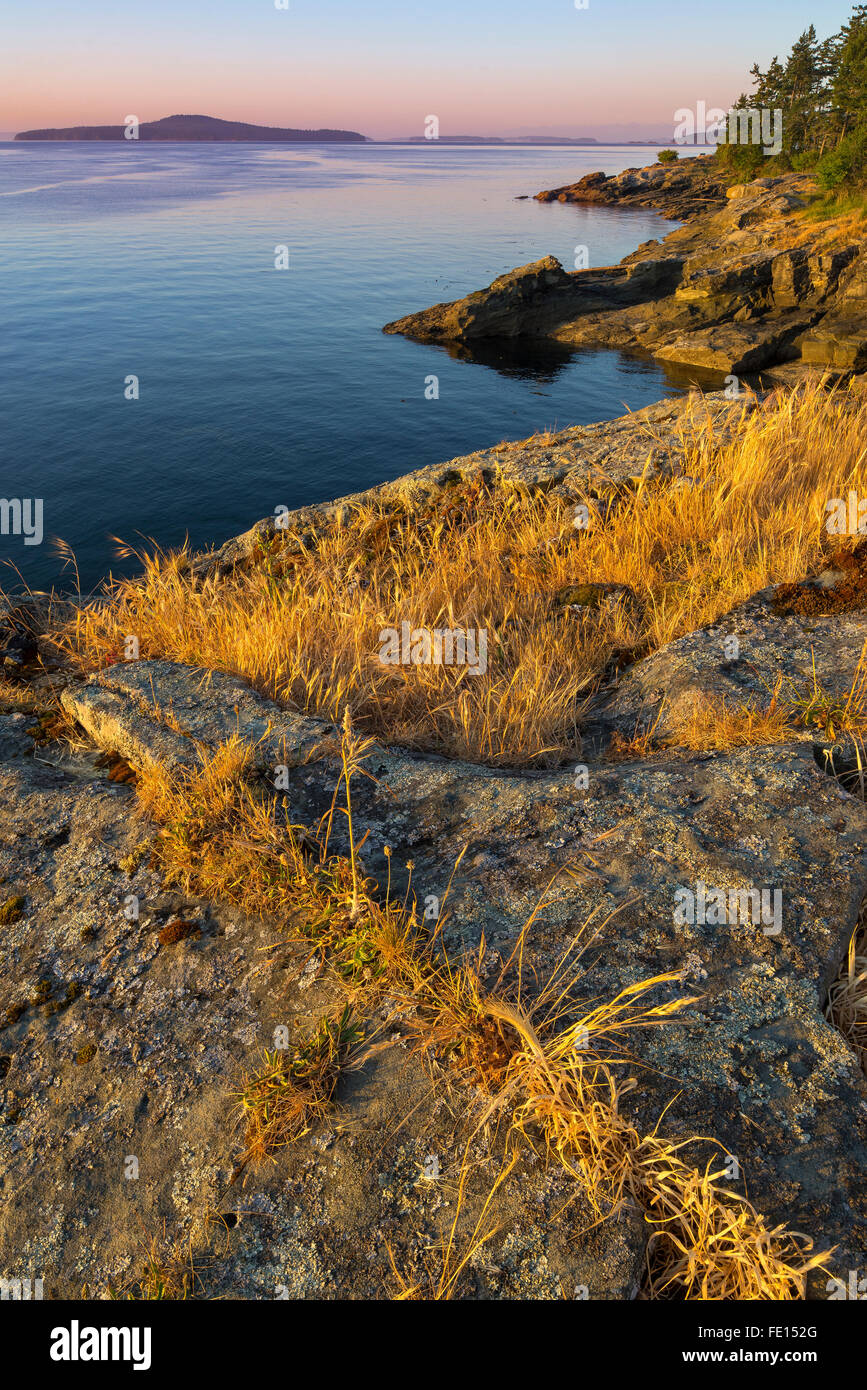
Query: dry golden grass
(446, 1263)
(847, 997)
(548, 1065)
(15, 697)
(303, 624)
(718, 726)
(557, 1086)
(562, 1083)
(711, 1244)
(222, 833)
(211, 825)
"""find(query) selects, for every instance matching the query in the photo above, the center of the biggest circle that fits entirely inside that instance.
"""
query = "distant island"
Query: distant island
(518, 140)
(198, 128)
(211, 128)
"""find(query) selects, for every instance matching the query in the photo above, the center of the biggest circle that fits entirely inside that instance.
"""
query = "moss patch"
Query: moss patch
(178, 931)
(11, 910)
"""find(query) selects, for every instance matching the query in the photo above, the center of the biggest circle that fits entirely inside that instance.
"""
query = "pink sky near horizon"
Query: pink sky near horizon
(384, 105)
(488, 67)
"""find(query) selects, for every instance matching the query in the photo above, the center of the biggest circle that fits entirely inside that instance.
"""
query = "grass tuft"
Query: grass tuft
(292, 1089)
(12, 910)
(167, 1273)
(549, 1064)
(847, 998)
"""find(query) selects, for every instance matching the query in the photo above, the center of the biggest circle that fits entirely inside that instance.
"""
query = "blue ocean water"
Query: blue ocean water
(261, 387)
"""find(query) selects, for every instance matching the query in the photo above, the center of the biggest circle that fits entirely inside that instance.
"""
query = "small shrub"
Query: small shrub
(166, 1273)
(846, 166)
(42, 992)
(136, 857)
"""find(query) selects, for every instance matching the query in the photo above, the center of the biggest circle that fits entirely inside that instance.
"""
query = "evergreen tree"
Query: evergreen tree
(821, 90)
(845, 160)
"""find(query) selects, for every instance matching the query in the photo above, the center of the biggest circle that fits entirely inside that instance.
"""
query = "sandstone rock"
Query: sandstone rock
(740, 281)
(838, 340)
(678, 190)
(513, 304)
(141, 711)
(840, 337)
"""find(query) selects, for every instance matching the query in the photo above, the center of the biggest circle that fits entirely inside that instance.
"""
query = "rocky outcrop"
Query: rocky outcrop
(679, 190)
(515, 303)
(166, 1022)
(648, 442)
(122, 1044)
(792, 640)
(746, 284)
(840, 336)
(539, 299)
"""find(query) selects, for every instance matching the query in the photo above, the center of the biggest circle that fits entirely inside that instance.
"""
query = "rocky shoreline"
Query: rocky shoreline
(678, 191)
(747, 284)
(123, 1034)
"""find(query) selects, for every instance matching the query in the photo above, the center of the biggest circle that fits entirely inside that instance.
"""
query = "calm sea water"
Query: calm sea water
(262, 387)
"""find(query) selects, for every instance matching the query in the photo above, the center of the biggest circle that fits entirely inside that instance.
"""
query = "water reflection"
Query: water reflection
(543, 360)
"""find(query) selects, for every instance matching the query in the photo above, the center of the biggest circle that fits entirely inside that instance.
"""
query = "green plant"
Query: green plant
(293, 1088)
(845, 166)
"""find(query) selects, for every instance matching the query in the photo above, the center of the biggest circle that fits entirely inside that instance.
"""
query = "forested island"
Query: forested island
(196, 128)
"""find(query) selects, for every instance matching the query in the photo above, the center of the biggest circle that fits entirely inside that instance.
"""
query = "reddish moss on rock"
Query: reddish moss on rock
(846, 592)
(178, 931)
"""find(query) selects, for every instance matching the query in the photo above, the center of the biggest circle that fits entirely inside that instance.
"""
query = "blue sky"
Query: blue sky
(500, 67)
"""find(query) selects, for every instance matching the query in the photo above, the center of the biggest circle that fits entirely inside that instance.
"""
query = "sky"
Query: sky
(616, 70)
